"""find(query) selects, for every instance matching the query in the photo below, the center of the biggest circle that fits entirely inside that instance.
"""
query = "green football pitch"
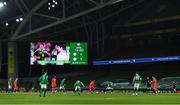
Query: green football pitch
(101, 98)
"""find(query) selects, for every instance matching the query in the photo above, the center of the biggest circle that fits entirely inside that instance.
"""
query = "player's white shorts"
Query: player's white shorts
(77, 88)
(109, 88)
(9, 87)
(61, 88)
(43, 86)
(136, 85)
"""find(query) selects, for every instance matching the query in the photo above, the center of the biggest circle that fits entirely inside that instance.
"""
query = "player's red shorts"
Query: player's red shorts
(155, 87)
(53, 87)
(91, 88)
(15, 88)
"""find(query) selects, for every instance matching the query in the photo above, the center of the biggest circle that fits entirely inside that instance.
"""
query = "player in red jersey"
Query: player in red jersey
(92, 86)
(53, 84)
(15, 84)
(154, 84)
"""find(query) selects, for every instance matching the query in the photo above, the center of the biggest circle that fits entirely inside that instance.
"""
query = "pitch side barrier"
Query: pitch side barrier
(125, 90)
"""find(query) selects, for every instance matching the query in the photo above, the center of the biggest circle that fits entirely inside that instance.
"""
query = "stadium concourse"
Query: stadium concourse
(90, 52)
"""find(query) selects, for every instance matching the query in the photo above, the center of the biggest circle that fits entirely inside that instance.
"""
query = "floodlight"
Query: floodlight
(56, 3)
(21, 19)
(1, 4)
(6, 24)
(4, 3)
(17, 20)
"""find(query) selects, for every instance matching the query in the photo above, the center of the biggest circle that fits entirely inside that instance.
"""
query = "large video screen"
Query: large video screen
(58, 53)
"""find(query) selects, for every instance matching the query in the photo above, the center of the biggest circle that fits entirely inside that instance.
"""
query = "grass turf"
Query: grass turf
(101, 98)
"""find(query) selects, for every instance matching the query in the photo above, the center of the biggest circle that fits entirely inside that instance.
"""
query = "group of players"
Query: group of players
(137, 81)
(44, 81)
(149, 82)
(13, 85)
(78, 84)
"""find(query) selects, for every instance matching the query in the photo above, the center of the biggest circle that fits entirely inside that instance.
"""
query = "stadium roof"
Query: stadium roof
(44, 19)
(51, 16)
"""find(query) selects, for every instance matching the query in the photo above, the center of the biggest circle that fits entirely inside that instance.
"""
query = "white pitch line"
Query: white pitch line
(108, 98)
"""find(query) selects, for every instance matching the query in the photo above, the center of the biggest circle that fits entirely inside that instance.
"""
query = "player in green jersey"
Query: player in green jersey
(136, 82)
(109, 87)
(78, 85)
(62, 85)
(43, 80)
(10, 84)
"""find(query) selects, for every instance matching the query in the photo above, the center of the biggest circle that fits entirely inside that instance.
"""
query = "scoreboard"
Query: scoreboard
(79, 54)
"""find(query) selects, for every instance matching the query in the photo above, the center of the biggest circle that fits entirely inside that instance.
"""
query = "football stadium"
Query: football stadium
(90, 52)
